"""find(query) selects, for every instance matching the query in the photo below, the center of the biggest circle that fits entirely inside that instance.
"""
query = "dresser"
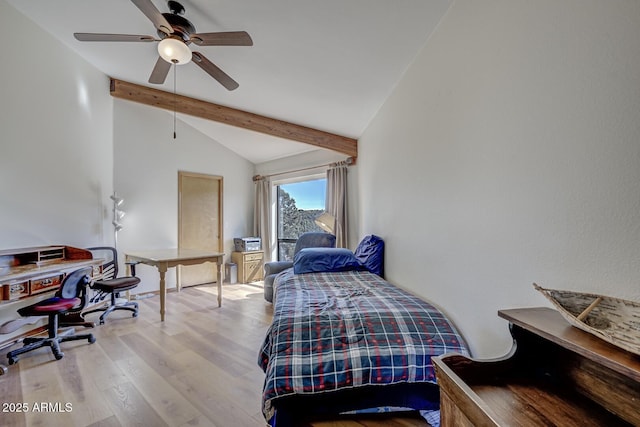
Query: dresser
(555, 374)
(250, 265)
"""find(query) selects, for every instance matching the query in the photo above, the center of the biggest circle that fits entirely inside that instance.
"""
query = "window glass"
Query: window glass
(299, 204)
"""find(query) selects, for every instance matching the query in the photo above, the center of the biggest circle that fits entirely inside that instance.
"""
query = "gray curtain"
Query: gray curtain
(262, 215)
(336, 202)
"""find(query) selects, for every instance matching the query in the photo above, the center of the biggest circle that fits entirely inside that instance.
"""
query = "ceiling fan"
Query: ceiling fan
(175, 35)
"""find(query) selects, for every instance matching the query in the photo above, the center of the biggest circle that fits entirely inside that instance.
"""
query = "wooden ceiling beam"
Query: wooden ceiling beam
(233, 117)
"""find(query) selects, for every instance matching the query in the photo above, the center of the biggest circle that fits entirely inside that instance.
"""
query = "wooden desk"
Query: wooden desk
(29, 275)
(163, 259)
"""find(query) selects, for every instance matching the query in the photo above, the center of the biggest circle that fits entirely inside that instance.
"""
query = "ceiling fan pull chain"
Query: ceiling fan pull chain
(175, 70)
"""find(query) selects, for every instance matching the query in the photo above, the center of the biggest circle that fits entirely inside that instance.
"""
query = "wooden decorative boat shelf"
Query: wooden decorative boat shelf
(614, 320)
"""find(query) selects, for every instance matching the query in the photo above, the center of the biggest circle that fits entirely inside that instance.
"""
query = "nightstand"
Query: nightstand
(250, 265)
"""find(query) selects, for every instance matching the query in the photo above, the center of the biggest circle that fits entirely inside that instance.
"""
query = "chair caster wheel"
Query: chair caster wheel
(12, 360)
(91, 339)
(134, 315)
(58, 356)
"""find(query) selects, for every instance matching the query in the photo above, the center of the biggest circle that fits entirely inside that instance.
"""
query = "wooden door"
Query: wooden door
(199, 222)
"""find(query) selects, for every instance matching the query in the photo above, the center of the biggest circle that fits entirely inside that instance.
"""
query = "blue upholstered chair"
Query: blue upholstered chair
(306, 240)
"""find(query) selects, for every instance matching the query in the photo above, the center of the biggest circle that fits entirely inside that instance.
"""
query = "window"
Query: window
(299, 203)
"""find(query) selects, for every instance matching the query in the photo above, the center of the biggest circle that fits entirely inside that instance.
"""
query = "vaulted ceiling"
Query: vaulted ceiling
(327, 65)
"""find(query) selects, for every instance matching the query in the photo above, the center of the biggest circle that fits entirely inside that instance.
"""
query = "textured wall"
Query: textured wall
(508, 154)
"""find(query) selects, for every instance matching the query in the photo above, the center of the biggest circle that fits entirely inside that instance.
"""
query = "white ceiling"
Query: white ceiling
(325, 64)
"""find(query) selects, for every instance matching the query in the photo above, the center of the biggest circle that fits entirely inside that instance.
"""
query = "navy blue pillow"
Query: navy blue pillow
(370, 253)
(314, 260)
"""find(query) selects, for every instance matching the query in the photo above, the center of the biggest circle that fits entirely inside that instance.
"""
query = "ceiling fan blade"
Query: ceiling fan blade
(160, 71)
(213, 70)
(99, 37)
(154, 15)
(230, 38)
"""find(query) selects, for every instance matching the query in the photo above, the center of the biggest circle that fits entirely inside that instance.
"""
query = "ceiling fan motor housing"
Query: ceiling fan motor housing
(175, 7)
(182, 27)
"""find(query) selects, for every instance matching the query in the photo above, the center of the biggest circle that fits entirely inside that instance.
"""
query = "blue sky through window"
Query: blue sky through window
(308, 194)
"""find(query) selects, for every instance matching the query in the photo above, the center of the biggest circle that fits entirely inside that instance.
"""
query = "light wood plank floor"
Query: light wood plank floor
(198, 368)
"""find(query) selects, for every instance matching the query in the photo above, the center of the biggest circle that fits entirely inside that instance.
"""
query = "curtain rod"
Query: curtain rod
(347, 162)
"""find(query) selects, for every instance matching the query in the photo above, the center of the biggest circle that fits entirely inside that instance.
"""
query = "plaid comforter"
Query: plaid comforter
(348, 329)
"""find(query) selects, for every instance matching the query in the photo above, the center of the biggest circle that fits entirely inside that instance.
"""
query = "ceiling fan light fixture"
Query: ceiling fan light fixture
(174, 51)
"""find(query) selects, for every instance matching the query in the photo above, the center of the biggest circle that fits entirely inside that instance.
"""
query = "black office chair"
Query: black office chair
(70, 296)
(111, 285)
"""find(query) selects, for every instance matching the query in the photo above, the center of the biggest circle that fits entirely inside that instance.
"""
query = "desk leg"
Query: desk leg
(219, 279)
(163, 290)
(128, 273)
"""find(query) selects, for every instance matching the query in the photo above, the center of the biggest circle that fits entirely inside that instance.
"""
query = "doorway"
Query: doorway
(199, 222)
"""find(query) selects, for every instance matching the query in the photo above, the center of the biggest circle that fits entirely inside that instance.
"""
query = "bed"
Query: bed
(348, 340)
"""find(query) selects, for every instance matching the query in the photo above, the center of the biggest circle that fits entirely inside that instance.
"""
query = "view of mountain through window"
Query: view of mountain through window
(298, 206)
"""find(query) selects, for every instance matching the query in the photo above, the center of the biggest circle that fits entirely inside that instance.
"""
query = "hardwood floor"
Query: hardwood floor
(198, 368)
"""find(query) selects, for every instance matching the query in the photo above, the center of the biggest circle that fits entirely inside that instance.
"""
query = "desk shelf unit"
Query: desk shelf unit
(32, 271)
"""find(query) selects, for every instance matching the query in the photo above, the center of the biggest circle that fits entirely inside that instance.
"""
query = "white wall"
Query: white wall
(147, 161)
(510, 154)
(56, 153)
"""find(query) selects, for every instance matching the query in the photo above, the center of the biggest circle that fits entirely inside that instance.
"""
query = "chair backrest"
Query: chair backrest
(315, 239)
(110, 264)
(74, 284)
